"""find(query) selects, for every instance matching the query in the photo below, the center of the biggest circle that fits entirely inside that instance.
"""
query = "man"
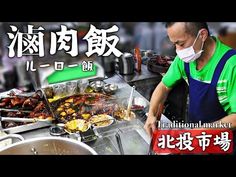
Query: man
(208, 66)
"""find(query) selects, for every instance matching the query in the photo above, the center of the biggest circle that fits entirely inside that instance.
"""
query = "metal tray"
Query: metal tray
(27, 127)
(30, 126)
(134, 140)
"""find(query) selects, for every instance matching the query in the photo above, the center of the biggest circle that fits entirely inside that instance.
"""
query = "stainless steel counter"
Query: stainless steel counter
(143, 75)
(145, 81)
(133, 138)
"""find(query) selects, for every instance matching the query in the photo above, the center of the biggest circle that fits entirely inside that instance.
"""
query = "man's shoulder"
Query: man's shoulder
(178, 60)
(232, 60)
(223, 49)
(230, 65)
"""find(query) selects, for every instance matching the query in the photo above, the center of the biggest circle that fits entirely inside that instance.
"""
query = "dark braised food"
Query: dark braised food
(82, 107)
(23, 107)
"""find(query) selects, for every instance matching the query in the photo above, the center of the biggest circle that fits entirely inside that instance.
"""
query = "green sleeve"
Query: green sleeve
(232, 91)
(174, 73)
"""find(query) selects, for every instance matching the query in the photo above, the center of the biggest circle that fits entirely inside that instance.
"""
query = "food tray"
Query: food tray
(134, 139)
(29, 126)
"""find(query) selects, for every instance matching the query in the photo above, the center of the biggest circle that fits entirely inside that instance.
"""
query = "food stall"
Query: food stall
(95, 110)
(94, 104)
(32, 115)
(105, 111)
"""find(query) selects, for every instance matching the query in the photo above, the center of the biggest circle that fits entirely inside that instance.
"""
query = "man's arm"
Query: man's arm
(230, 119)
(158, 97)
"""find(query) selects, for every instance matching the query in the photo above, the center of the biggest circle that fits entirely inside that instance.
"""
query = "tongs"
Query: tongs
(118, 140)
(15, 110)
(25, 120)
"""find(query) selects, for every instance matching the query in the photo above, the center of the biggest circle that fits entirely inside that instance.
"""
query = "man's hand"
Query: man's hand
(158, 98)
(150, 125)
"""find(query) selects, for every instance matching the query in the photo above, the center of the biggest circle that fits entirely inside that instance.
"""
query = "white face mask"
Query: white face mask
(188, 54)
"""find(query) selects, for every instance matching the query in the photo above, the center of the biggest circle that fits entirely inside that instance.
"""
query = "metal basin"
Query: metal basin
(132, 139)
(48, 146)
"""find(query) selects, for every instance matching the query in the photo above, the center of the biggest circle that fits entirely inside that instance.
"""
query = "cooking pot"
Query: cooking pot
(47, 146)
